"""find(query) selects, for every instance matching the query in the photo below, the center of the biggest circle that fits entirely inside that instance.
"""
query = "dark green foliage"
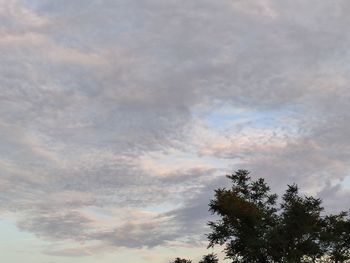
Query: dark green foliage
(254, 228)
(181, 260)
(210, 258)
(248, 214)
(336, 236)
(300, 225)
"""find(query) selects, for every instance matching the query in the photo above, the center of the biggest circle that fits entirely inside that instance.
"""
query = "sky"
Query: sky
(119, 118)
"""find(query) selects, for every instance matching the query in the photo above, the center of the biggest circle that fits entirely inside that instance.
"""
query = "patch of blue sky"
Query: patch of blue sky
(10, 234)
(162, 208)
(228, 117)
(17, 246)
(346, 182)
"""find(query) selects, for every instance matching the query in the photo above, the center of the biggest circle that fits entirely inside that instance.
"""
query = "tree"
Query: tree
(300, 226)
(336, 237)
(181, 260)
(210, 258)
(248, 214)
(255, 229)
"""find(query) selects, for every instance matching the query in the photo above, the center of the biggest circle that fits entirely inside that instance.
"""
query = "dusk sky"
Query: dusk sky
(118, 119)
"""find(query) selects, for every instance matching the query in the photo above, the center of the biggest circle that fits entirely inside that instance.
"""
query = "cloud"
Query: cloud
(58, 225)
(142, 105)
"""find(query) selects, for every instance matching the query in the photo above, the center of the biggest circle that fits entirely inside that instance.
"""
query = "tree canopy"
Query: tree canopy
(181, 260)
(210, 258)
(254, 227)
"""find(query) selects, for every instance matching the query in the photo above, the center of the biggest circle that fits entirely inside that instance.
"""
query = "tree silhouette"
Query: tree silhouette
(210, 258)
(254, 228)
(336, 237)
(247, 212)
(181, 260)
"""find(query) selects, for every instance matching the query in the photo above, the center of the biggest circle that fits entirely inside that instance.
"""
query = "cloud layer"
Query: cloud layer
(119, 118)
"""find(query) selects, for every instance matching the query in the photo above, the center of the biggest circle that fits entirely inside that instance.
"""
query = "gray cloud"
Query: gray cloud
(57, 225)
(106, 103)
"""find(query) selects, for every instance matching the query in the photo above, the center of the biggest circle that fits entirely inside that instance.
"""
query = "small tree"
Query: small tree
(210, 258)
